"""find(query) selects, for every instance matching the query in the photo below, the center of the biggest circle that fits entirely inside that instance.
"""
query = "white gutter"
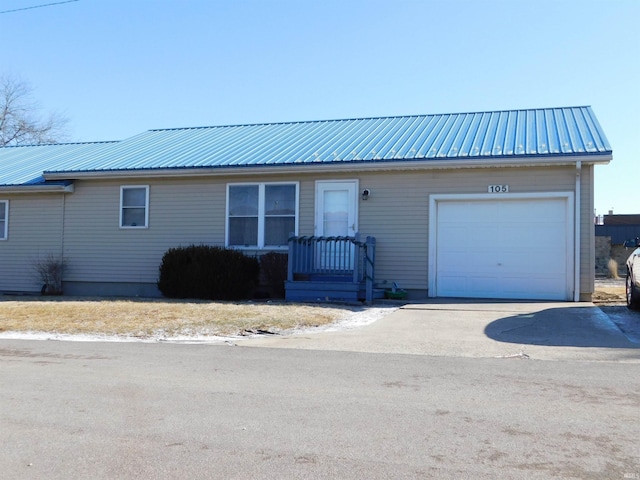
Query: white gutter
(37, 188)
(576, 248)
(333, 166)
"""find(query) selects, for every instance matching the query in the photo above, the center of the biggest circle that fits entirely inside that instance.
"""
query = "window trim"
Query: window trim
(261, 215)
(146, 207)
(4, 232)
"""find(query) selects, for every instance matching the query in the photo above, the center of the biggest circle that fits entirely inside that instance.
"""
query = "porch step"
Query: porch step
(311, 291)
(324, 277)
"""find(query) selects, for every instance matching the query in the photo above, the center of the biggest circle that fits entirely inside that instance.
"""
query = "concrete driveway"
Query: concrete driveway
(482, 329)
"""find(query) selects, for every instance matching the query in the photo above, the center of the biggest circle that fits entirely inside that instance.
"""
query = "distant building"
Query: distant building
(611, 234)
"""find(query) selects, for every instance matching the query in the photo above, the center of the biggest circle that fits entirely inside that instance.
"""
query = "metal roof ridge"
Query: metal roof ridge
(99, 142)
(353, 119)
(264, 124)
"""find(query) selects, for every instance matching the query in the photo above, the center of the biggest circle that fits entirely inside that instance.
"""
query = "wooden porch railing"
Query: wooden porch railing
(333, 259)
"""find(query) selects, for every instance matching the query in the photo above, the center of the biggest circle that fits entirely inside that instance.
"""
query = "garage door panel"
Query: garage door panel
(503, 248)
(542, 288)
(453, 282)
(482, 264)
(515, 288)
(513, 213)
(515, 237)
(551, 263)
(548, 242)
(457, 237)
(462, 236)
(482, 283)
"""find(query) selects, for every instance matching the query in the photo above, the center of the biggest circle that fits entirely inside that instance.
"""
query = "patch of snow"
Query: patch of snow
(353, 320)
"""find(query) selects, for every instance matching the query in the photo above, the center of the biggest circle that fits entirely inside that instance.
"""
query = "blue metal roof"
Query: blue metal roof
(24, 165)
(483, 136)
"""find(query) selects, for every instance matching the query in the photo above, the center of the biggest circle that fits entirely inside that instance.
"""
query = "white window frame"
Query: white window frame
(261, 214)
(146, 207)
(4, 231)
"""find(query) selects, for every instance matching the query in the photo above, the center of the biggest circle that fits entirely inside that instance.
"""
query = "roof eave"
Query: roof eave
(65, 188)
(376, 165)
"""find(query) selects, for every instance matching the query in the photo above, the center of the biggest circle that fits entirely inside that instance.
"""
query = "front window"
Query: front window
(134, 207)
(4, 219)
(261, 214)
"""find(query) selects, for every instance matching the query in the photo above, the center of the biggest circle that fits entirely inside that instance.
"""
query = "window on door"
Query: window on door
(261, 215)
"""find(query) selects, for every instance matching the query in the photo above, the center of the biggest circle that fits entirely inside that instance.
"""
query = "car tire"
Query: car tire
(632, 295)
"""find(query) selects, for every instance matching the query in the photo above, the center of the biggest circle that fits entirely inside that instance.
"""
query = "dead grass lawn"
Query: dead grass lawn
(609, 295)
(147, 317)
(144, 318)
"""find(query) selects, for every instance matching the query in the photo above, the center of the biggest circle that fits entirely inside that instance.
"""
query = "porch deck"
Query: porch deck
(331, 269)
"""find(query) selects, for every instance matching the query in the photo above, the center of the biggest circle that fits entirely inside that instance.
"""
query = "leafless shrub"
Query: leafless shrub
(613, 269)
(49, 271)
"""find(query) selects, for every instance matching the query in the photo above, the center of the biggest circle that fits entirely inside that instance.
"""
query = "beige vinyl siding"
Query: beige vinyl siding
(398, 209)
(396, 214)
(35, 232)
(587, 230)
(192, 211)
(306, 222)
(181, 212)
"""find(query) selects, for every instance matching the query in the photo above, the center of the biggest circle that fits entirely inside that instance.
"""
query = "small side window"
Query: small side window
(134, 206)
(4, 219)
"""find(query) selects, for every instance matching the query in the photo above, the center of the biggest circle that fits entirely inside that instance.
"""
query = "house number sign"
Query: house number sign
(498, 189)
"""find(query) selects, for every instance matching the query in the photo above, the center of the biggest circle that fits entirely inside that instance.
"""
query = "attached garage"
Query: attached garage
(511, 247)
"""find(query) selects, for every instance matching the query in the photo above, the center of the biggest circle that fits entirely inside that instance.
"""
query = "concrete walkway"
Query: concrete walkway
(472, 328)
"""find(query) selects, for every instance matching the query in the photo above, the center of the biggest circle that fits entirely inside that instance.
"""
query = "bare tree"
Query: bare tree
(20, 121)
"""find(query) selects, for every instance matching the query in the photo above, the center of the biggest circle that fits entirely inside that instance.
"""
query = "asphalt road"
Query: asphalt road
(130, 410)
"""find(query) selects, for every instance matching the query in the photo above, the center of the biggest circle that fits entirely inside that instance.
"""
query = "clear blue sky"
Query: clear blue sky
(116, 68)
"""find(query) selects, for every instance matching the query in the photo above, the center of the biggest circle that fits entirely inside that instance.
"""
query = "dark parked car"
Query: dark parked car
(633, 275)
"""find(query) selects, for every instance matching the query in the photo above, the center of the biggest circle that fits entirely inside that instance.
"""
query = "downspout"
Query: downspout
(62, 262)
(64, 207)
(576, 248)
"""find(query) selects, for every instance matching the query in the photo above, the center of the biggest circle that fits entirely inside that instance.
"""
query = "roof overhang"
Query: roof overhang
(67, 187)
(336, 166)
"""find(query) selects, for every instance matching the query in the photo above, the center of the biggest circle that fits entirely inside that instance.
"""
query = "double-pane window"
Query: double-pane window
(261, 215)
(134, 207)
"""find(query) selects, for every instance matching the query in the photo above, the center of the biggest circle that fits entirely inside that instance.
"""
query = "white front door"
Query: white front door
(336, 216)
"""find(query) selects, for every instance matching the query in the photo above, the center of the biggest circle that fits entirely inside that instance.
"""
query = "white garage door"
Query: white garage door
(520, 249)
